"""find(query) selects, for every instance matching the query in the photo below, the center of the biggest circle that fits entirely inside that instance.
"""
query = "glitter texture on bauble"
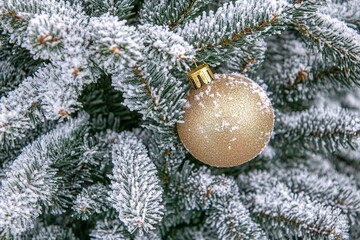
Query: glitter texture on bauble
(227, 122)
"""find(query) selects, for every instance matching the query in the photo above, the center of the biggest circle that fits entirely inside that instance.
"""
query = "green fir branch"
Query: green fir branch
(334, 39)
(119, 8)
(31, 183)
(135, 189)
(316, 129)
(282, 213)
(171, 13)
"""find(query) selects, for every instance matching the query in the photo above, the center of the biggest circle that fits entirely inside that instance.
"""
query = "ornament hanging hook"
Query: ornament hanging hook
(200, 76)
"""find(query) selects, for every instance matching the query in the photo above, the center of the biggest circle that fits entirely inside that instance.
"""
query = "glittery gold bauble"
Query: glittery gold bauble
(227, 121)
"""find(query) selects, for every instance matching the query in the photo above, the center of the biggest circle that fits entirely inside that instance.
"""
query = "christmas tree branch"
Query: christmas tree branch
(218, 196)
(278, 209)
(31, 182)
(57, 86)
(232, 220)
(331, 189)
(321, 129)
(148, 83)
(237, 36)
(92, 200)
(207, 27)
(16, 64)
(348, 11)
(119, 8)
(298, 76)
(337, 42)
(110, 229)
(170, 13)
(45, 231)
(175, 22)
(47, 95)
(236, 25)
(191, 231)
(15, 15)
(135, 190)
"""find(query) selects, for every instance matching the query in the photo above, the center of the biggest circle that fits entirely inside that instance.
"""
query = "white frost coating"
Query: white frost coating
(91, 200)
(271, 199)
(327, 128)
(332, 188)
(44, 7)
(136, 193)
(45, 33)
(55, 87)
(165, 46)
(13, 108)
(30, 182)
(151, 82)
(348, 11)
(61, 39)
(109, 230)
(340, 30)
(233, 18)
(334, 37)
(48, 232)
(65, 42)
(28, 9)
(116, 46)
(50, 89)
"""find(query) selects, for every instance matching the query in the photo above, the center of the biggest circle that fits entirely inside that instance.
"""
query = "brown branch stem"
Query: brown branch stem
(182, 16)
(237, 36)
(137, 73)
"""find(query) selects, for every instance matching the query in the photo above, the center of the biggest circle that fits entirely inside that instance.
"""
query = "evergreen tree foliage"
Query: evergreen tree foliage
(91, 92)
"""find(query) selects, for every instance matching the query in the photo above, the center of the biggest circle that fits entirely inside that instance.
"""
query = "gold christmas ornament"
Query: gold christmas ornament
(228, 118)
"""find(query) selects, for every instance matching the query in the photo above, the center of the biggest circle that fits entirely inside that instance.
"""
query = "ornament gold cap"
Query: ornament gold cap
(200, 76)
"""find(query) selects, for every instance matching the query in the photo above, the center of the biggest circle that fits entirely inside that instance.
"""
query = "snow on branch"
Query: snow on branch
(232, 221)
(115, 46)
(299, 79)
(278, 209)
(119, 8)
(44, 7)
(333, 189)
(197, 189)
(15, 14)
(136, 193)
(166, 47)
(14, 119)
(158, 96)
(244, 59)
(91, 200)
(47, 95)
(151, 89)
(43, 231)
(242, 24)
(110, 229)
(192, 232)
(15, 65)
(296, 75)
(31, 183)
(171, 13)
(167, 154)
(233, 21)
(324, 129)
(333, 38)
(348, 11)
(54, 89)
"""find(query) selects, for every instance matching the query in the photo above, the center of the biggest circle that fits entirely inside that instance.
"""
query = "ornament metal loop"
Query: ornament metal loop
(200, 76)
